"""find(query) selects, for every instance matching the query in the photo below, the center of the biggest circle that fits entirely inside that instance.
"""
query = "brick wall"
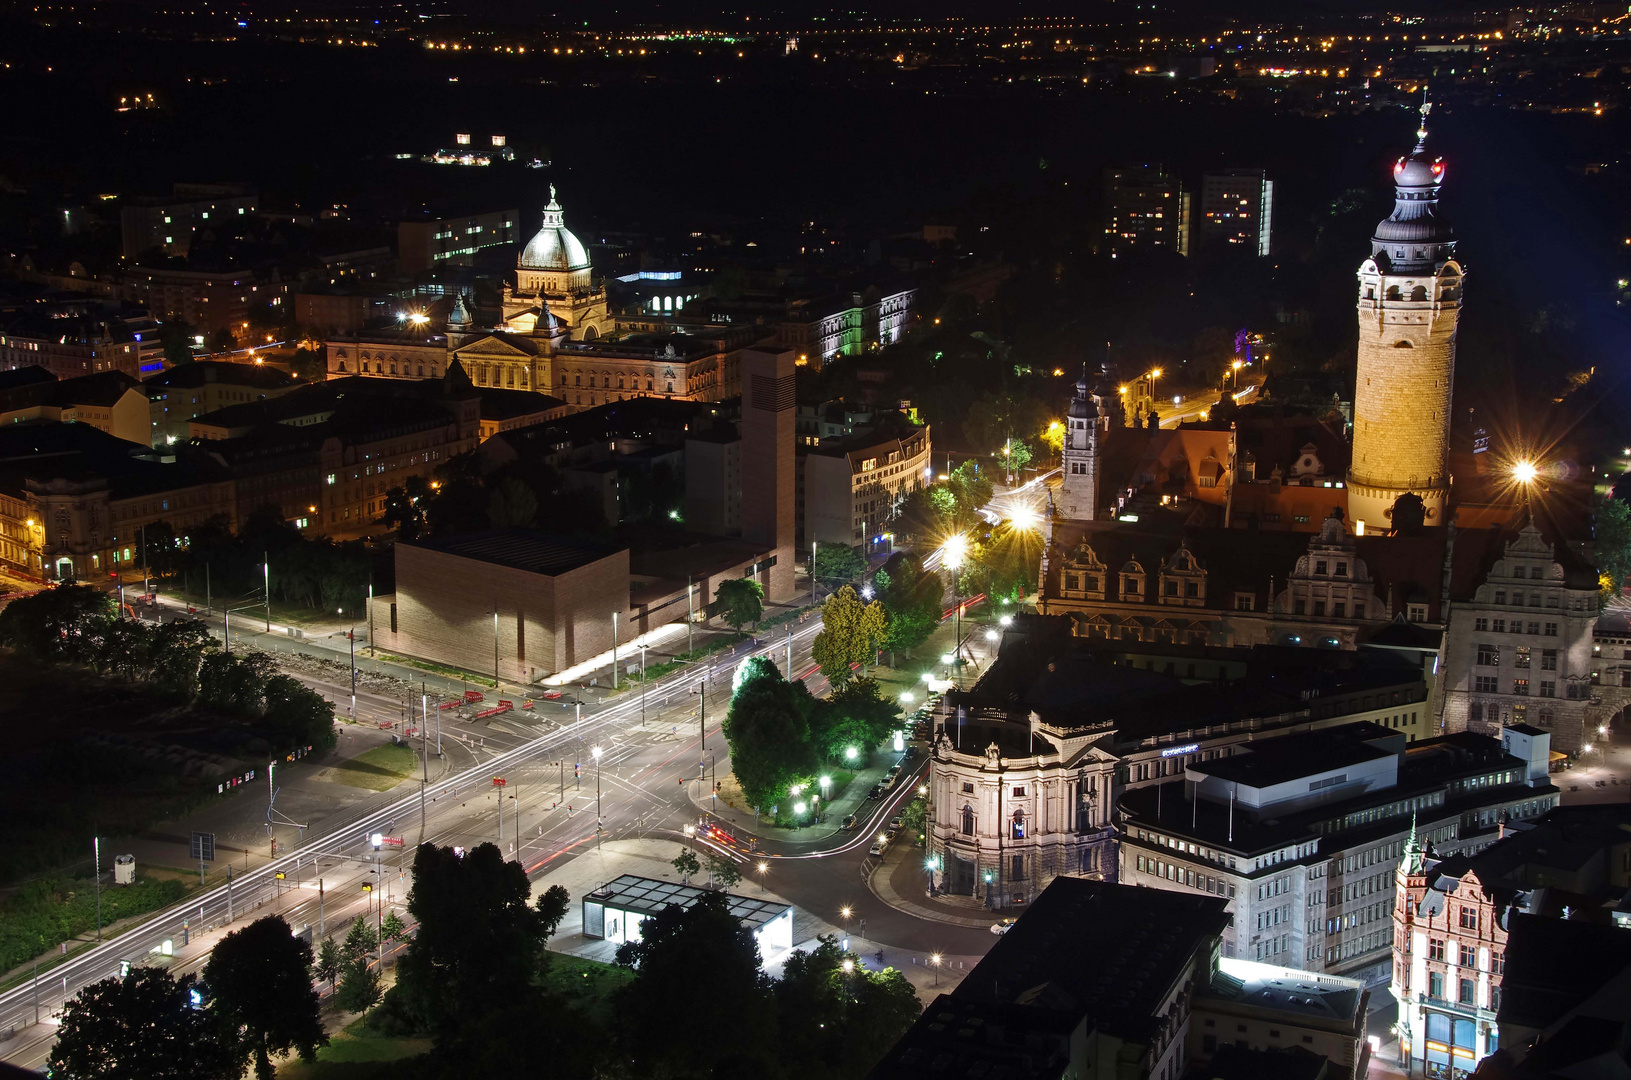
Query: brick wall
(1402, 397)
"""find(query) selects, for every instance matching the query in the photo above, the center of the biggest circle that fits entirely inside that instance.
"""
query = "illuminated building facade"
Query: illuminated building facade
(1085, 424)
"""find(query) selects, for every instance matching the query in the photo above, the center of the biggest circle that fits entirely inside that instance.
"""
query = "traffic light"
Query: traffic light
(280, 875)
(366, 887)
(577, 768)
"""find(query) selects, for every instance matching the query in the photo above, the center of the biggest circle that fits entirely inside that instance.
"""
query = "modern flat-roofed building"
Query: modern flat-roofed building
(1303, 833)
(522, 600)
(615, 911)
(168, 222)
(1145, 208)
(427, 243)
(1237, 207)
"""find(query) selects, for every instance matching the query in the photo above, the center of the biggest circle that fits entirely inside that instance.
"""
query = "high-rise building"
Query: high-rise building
(1237, 207)
(1144, 208)
(428, 243)
(1409, 302)
(768, 468)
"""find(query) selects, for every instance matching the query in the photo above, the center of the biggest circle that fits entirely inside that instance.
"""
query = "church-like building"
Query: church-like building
(554, 335)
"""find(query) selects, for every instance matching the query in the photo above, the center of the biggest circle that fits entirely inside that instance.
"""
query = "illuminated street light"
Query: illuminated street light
(947, 659)
(1524, 472)
(1005, 620)
(906, 698)
(849, 965)
(1025, 519)
(850, 753)
(954, 550)
(991, 635)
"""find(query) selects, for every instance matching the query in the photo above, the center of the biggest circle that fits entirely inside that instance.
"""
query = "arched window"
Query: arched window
(342, 365)
(1019, 824)
(668, 303)
(968, 820)
(1419, 293)
(1393, 292)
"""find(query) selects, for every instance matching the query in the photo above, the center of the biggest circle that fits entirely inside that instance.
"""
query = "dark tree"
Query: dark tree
(359, 986)
(478, 939)
(259, 981)
(60, 625)
(143, 1027)
(838, 562)
(695, 966)
(836, 1023)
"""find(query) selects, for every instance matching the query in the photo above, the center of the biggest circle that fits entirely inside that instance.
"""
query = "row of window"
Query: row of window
(1181, 875)
(1518, 626)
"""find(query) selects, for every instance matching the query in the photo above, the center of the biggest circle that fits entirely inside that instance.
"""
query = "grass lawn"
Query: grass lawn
(379, 769)
(439, 669)
(588, 984)
(355, 1053)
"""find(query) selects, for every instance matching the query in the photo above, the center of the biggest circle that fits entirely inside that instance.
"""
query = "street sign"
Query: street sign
(499, 781)
(393, 841)
(202, 846)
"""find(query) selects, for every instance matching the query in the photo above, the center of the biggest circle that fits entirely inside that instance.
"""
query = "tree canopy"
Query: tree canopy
(851, 634)
(838, 562)
(259, 982)
(143, 1026)
(697, 973)
(478, 940)
(768, 732)
(913, 598)
(835, 1023)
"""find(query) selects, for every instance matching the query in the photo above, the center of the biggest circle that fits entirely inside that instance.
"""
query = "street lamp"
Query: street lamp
(595, 753)
(934, 959)
(906, 698)
(992, 635)
(850, 753)
(849, 967)
(1005, 620)
(764, 867)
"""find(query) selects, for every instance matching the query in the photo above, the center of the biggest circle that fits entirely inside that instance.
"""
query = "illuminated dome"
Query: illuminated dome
(553, 248)
(1414, 238)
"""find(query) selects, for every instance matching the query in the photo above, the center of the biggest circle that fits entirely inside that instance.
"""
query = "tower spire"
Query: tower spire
(1421, 132)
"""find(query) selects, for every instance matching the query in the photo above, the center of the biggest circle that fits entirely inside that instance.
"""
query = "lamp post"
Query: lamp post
(595, 753)
(690, 617)
(266, 569)
(643, 648)
(377, 840)
(934, 962)
(614, 650)
(764, 867)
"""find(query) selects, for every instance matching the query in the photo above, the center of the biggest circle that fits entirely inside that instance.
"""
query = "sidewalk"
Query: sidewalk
(899, 880)
(852, 801)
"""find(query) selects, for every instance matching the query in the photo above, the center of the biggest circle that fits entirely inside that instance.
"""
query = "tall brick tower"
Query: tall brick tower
(768, 415)
(1409, 303)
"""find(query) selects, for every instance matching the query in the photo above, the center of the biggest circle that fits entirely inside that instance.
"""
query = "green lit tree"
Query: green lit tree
(744, 601)
(851, 634)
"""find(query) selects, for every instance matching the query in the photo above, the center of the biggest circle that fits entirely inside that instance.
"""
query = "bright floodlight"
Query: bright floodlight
(954, 549)
(763, 867)
(1025, 518)
(799, 808)
(906, 698)
(825, 782)
(419, 318)
(849, 966)
(1006, 620)
(379, 838)
(844, 912)
(1524, 472)
(1155, 373)
(595, 753)
(947, 658)
(850, 753)
(991, 635)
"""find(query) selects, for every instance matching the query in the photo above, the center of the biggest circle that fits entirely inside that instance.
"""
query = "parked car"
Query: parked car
(876, 792)
(878, 846)
(1002, 927)
(849, 822)
(895, 822)
(894, 770)
(887, 836)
